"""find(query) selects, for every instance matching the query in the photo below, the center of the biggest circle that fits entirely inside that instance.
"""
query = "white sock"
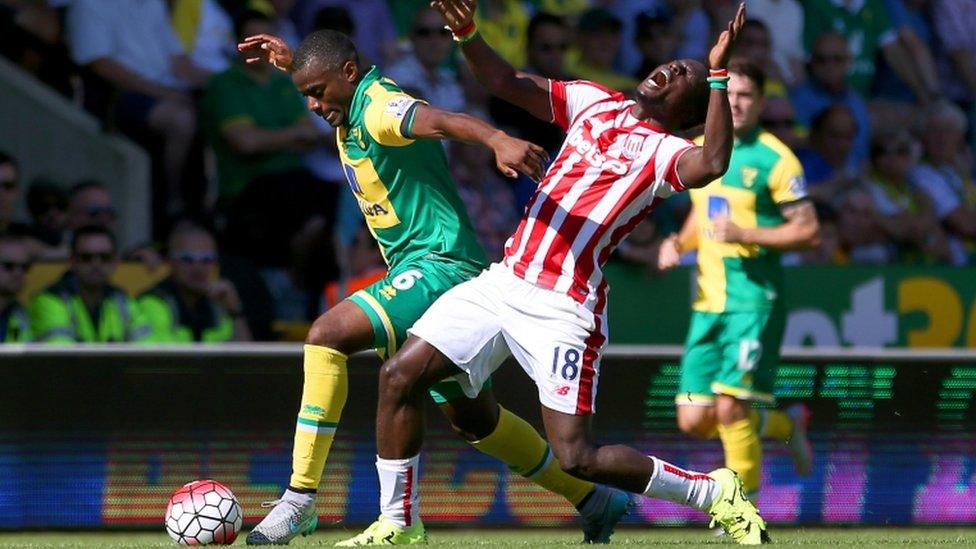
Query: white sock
(675, 484)
(399, 497)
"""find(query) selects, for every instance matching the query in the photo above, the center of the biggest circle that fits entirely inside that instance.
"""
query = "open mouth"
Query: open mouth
(659, 79)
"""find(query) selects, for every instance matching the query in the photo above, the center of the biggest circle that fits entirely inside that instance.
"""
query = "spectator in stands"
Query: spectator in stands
(917, 40)
(131, 45)
(422, 68)
(504, 25)
(14, 264)
(193, 304)
(256, 121)
(827, 86)
(867, 27)
(824, 161)
(955, 26)
(32, 35)
(784, 21)
(90, 203)
(375, 32)
(902, 227)
(83, 306)
(755, 43)
(48, 207)
(206, 32)
(599, 40)
(689, 21)
(779, 118)
(656, 39)
(9, 196)
(489, 199)
(946, 178)
(364, 266)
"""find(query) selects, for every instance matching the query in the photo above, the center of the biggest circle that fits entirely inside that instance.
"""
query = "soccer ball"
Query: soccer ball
(203, 512)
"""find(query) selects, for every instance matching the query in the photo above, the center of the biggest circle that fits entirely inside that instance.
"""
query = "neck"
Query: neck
(91, 296)
(189, 298)
(646, 113)
(744, 131)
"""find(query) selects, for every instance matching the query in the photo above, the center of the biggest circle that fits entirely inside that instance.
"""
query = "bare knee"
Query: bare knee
(397, 383)
(697, 421)
(728, 409)
(577, 460)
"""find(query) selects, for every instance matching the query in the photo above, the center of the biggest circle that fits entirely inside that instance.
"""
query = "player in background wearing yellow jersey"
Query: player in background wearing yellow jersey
(739, 224)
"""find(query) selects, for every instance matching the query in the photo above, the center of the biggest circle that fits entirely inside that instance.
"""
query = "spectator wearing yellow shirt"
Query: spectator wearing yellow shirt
(503, 24)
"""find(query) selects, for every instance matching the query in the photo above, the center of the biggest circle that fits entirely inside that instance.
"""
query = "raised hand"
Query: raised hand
(457, 13)
(514, 155)
(718, 58)
(267, 48)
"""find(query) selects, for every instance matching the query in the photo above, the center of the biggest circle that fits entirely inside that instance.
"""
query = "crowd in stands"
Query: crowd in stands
(876, 97)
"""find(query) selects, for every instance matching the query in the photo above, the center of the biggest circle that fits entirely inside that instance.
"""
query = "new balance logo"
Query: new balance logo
(562, 391)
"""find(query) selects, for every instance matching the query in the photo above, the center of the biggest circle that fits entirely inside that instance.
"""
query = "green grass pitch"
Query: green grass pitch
(809, 537)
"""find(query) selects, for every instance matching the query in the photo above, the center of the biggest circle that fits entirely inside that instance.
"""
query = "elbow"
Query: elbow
(718, 167)
(814, 238)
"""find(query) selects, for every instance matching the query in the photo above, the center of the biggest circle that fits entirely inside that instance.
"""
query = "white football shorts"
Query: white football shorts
(558, 341)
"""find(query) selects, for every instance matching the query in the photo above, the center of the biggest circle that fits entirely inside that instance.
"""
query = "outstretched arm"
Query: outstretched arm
(524, 90)
(511, 155)
(702, 165)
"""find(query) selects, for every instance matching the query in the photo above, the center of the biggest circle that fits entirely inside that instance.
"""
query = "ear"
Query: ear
(350, 71)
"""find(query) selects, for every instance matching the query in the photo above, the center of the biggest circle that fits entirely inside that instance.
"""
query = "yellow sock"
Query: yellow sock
(743, 452)
(774, 424)
(520, 447)
(323, 396)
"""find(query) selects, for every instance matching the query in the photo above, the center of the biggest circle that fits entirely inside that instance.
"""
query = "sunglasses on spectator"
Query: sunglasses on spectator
(91, 257)
(779, 122)
(425, 32)
(191, 257)
(8, 185)
(95, 211)
(548, 48)
(11, 266)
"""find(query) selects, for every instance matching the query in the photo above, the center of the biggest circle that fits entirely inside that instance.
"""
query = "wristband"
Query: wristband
(466, 33)
(718, 72)
(718, 82)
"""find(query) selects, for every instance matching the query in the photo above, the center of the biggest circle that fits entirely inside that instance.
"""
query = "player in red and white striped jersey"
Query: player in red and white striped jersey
(545, 302)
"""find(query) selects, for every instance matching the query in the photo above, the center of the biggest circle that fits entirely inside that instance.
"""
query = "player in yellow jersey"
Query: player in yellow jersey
(389, 145)
(739, 224)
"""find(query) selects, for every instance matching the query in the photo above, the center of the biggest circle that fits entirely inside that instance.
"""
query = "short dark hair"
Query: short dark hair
(541, 19)
(246, 16)
(820, 119)
(7, 159)
(92, 230)
(744, 66)
(330, 48)
(85, 185)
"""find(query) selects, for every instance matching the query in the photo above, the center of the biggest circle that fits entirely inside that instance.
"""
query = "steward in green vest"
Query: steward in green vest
(192, 305)
(14, 264)
(82, 307)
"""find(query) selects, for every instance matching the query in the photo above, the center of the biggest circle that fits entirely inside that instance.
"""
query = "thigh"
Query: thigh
(558, 344)
(751, 345)
(394, 303)
(701, 361)
(463, 324)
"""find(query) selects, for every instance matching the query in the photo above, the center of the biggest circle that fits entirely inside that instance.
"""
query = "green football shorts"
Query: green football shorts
(732, 354)
(394, 303)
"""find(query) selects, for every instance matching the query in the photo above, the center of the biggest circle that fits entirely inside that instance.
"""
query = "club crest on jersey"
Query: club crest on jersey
(633, 146)
(749, 176)
(588, 150)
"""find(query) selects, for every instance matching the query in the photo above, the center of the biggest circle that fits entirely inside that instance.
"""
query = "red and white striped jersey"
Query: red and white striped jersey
(609, 174)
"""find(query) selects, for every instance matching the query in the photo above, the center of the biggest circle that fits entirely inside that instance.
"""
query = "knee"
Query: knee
(326, 332)
(576, 459)
(697, 427)
(728, 410)
(396, 382)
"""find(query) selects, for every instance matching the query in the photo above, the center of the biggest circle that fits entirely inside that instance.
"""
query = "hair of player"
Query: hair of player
(821, 118)
(743, 66)
(542, 19)
(330, 48)
(246, 16)
(92, 230)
